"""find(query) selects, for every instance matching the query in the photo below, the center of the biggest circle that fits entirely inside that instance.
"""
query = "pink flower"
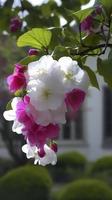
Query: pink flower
(74, 99)
(34, 133)
(38, 135)
(87, 24)
(17, 80)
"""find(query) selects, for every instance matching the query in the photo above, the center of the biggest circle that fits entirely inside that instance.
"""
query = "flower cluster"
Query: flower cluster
(51, 88)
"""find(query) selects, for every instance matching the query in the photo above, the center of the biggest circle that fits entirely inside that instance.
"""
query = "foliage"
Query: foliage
(85, 190)
(27, 182)
(70, 166)
(82, 14)
(37, 38)
(102, 164)
(102, 169)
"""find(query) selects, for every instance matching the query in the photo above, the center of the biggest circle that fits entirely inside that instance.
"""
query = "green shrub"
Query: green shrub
(26, 183)
(85, 190)
(70, 166)
(102, 164)
(102, 169)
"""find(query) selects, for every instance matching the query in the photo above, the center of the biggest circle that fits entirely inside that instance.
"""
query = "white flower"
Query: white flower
(46, 95)
(73, 75)
(41, 68)
(10, 115)
(32, 152)
(45, 86)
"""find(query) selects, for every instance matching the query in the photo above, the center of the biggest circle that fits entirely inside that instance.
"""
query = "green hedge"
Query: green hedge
(102, 169)
(85, 190)
(70, 166)
(26, 183)
(102, 164)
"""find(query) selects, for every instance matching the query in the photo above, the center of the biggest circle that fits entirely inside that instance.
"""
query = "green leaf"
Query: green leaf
(110, 55)
(37, 38)
(82, 14)
(28, 59)
(59, 52)
(9, 4)
(84, 1)
(105, 69)
(56, 37)
(92, 77)
(90, 38)
(8, 106)
(20, 93)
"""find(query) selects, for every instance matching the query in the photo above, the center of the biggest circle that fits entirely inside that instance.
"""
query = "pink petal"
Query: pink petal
(74, 99)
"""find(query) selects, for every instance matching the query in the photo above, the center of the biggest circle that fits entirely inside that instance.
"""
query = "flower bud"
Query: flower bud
(33, 52)
(54, 147)
(15, 24)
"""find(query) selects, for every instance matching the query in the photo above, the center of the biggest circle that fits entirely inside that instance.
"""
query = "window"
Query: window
(73, 129)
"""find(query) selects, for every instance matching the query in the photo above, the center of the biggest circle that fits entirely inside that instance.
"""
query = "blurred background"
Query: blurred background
(84, 168)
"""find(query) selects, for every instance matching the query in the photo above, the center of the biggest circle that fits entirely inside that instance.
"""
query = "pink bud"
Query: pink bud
(54, 147)
(33, 52)
(15, 24)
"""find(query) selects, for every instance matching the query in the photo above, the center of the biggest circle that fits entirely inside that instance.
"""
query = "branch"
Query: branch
(90, 48)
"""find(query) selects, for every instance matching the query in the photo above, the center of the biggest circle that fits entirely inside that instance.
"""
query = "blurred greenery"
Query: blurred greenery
(102, 169)
(86, 189)
(70, 166)
(90, 180)
(28, 183)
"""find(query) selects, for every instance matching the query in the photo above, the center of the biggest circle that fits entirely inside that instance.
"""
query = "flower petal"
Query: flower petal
(14, 102)
(9, 115)
(17, 127)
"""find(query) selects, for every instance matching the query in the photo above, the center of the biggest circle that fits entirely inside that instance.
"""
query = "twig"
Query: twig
(89, 49)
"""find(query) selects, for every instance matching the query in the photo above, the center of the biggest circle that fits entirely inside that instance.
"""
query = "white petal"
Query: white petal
(36, 161)
(30, 151)
(43, 161)
(9, 115)
(17, 127)
(25, 148)
(50, 155)
(14, 102)
(84, 83)
(65, 61)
